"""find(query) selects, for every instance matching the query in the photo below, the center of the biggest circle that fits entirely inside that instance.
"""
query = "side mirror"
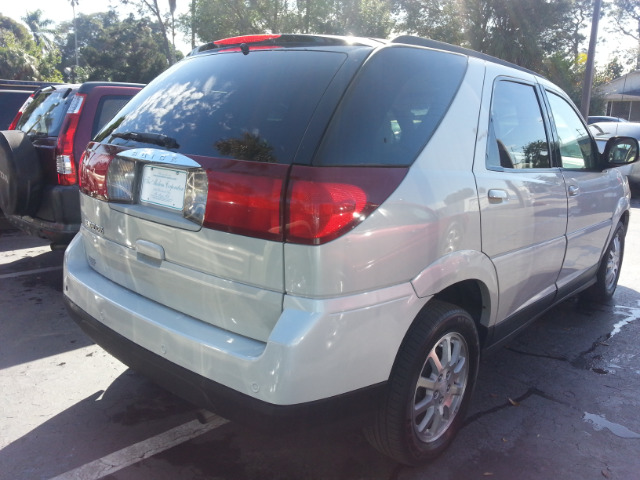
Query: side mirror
(620, 151)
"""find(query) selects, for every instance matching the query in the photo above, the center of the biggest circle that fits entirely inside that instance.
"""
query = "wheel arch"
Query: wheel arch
(466, 279)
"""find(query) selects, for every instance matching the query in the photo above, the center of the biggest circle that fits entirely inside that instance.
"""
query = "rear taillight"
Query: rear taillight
(245, 198)
(65, 161)
(303, 205)
(24, 106)
(325, 203)
(93, 172)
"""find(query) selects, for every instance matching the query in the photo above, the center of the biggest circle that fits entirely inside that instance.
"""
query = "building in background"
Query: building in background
(623, 96)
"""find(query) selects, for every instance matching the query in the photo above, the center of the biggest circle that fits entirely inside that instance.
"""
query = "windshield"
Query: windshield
(229, 105)
(43, 116)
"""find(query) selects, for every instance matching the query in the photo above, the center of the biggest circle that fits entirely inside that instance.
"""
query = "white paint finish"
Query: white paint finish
(433, 212)
(303, 359)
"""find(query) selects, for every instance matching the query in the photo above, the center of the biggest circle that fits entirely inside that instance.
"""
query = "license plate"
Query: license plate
(163, 186)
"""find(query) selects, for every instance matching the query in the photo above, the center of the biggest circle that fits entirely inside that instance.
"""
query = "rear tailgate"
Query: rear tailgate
(218, 117)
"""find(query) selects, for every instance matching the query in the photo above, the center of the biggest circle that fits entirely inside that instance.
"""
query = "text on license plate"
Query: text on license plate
(163, 186)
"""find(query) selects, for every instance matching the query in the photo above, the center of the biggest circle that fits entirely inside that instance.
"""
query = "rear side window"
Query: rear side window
(43, 117)
(107, 109)
(229, 105)
(393, 107)
(517, 135)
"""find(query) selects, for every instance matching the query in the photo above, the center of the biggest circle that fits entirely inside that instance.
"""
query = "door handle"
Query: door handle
(573, 190)
(496, 195)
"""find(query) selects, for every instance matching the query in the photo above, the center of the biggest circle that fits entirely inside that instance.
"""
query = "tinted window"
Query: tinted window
(392, 109)
(45, 114)
(10, 103)
(517, 136)
(576, 149)
(107, 109)
(230, 105)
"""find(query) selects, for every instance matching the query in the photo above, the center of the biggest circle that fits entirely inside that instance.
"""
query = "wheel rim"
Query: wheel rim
(440, 387)
(613, 263)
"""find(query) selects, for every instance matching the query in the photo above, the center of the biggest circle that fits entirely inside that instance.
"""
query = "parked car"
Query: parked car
(604, 131)
(10, 103)
(39, 156)
(602, 119)
(308, 227)
(13, 94)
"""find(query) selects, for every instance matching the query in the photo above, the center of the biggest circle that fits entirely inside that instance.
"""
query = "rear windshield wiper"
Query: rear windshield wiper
(154, 138)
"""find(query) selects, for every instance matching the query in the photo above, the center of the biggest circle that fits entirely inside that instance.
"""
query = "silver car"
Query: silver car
(604, 131)
(310, 227)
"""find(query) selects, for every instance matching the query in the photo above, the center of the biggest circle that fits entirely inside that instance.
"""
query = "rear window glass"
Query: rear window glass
(43, 117)
(393, 107)
(248, 107)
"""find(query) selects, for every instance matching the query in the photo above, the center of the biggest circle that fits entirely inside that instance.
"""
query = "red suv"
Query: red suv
(39, 155)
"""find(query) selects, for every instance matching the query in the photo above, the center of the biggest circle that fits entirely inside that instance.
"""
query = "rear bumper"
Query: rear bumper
(321, 352)
(58, 217)
(54, 232)
(356, 406)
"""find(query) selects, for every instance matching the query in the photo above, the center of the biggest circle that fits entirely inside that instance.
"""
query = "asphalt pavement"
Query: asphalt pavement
(561, 401)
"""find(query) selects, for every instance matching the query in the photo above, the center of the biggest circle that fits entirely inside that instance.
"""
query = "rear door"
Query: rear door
(522, 199)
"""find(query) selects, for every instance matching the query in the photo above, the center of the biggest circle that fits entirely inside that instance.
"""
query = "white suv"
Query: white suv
(310, 227)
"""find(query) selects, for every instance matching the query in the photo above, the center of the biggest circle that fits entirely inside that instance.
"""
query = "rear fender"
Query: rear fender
(457, 267)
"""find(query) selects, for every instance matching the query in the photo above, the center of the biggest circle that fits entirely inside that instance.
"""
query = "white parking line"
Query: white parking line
(147, 448)
(30, 272)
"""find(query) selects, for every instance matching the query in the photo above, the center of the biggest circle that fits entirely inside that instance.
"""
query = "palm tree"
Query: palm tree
(40, 29)
(172, 9)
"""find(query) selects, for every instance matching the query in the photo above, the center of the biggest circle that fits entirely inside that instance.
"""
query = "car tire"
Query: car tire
(609, 269)
(20, 174)
(430, 386)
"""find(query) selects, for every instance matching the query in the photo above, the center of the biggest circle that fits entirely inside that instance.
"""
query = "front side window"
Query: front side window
(576, 148)
(517, 136)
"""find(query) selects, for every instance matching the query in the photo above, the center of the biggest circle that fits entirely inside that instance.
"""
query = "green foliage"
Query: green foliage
(436, 19)
(543, 35)
(522, 31)
(21, 58)
(128, 50)
(40, 29)
(215, 19)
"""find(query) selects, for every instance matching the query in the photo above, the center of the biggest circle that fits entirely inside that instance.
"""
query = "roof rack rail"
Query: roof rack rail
(429, 43)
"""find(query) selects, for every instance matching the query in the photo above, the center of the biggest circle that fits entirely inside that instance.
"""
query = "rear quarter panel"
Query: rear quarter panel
(433, 213)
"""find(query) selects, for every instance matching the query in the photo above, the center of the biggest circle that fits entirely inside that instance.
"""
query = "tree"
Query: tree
(40, 29)
(165, 22)
(128, 50)
(20, 56)
(626, 15)
(214, 19)
(435, 19)
(520, 31)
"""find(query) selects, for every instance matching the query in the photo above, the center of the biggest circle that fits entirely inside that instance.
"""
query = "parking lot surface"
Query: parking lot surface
(559, 401)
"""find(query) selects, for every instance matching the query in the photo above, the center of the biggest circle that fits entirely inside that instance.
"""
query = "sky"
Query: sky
(60, 11)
